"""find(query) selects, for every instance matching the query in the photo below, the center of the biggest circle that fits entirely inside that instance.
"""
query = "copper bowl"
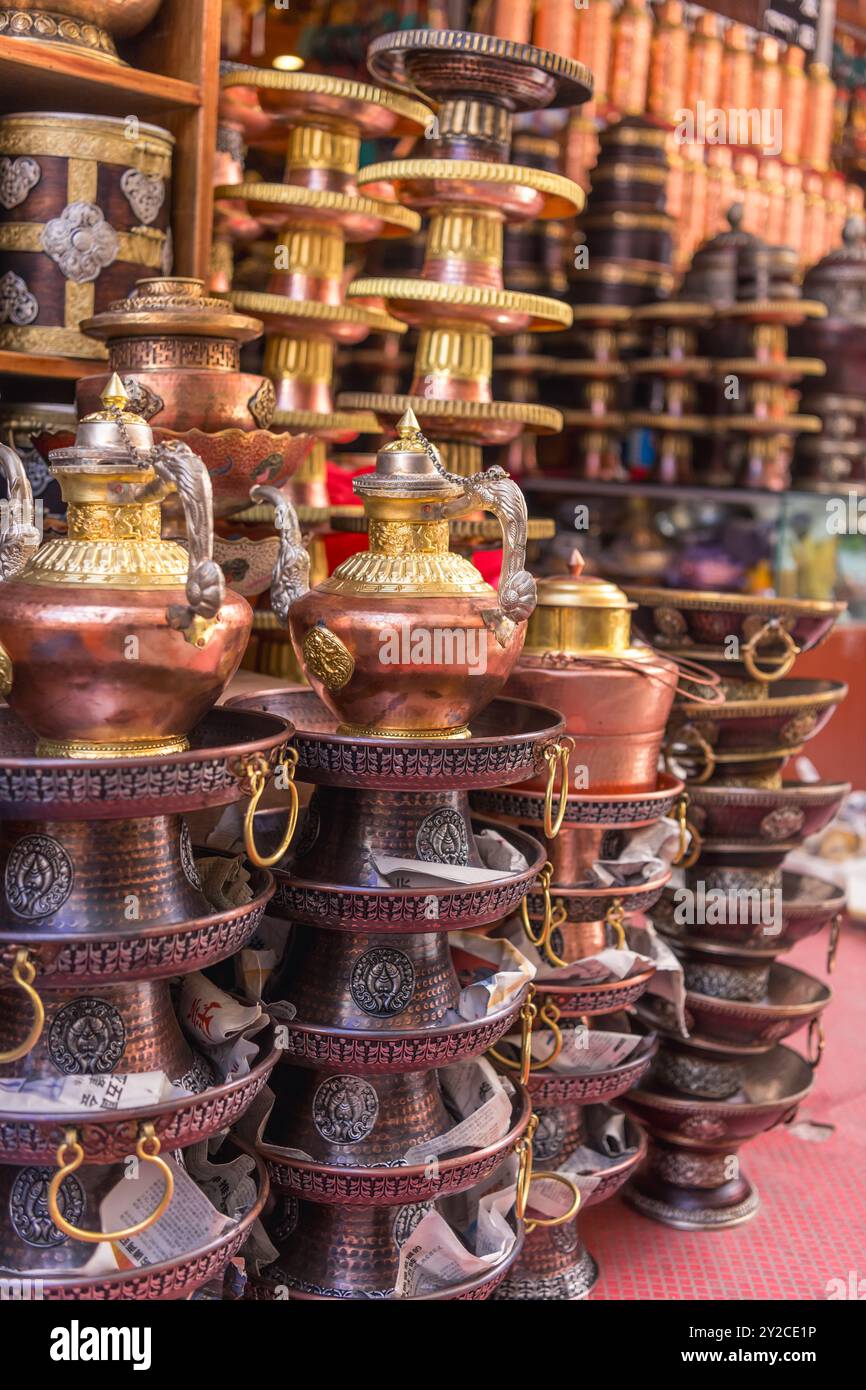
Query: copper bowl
(396, 1185)
(109, 1136)
(142, 952)
(774, 625)
(794, 712)
(792, 1000)
(808, 905)
(590, 904)
(608, 996)
(239, 459)
(555, 1088)
(209, 773)
(177, 1278)
(796, 809)
(507, 744)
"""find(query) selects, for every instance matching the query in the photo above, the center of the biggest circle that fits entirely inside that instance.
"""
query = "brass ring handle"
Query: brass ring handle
(775, 628)
(687, 853)
(558, 916)
(147, 1150)
(556, 755)
(255, 770)
(544, 876)
(816, 1043)
(694, 742)
(614, 918)
(549, 1015)
(23, 975)
(525, 1177)
(833, 944)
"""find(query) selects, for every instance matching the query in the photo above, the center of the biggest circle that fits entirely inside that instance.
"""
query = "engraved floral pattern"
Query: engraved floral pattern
(17, 178)
(17, 304)
(81, 242)
(145, 194)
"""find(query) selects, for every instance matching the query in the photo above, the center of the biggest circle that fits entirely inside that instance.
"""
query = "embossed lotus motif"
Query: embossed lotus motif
(145, 194)
(17, 304)
(238, 460)
(81, 242)
(703, 1127)
(17, 178)
(782, 823)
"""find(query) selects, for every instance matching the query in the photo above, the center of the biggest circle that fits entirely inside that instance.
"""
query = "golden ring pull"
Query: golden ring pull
(772, 627)
(695, 742)
(833, 945)
(687, 853)
(549, 1016)
(526, 1177)
(556, 755)
(558, 917)
(147, 1150)
(545, 874)
(256, 770)
(817, 1042)
(615, 918)
(23, 975)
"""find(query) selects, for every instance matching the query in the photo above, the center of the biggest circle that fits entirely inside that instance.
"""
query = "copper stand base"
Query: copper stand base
(570, 1285)
(688, 1209)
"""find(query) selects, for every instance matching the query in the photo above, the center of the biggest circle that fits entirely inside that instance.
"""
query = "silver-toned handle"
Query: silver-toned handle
(291, 578)
(175, 463)
(495, 492)
(20, 536)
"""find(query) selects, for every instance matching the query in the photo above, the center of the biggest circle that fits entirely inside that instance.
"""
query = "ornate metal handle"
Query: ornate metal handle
(545, 874)
(556, 755)
(694, 742)
(147, 1150)
(23, 975)
(615, 918)
(773, 627)
(495, 492)
(178, 467)
(558, 916)
(255, 771)
(833, 944)
(549, 1015)
(20, 536)
(526, 1177)
(291, 578)
(816, 1043)
(687, 854)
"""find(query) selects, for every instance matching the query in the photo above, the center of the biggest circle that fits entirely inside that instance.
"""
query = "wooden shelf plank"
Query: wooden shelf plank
(63, 368)
(34, 77)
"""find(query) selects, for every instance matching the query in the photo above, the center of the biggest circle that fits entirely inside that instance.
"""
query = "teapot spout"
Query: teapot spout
(291, 578)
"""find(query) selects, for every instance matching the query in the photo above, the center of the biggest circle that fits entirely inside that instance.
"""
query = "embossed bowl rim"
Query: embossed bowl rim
(269, 1055)
(522, 1105)
(644, 1053)
(715, 600)
(117, 1279)
(818, 695)
(643, 977)
(723, 1108)
(791, 792)
(55, 941)
(668, 787)
(767, 1010)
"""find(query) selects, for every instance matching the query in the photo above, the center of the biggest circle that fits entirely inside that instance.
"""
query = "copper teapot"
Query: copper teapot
(406, 639)
(113, 641)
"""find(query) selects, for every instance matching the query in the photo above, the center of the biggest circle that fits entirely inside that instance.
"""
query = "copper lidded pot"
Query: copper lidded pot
(115, 642)
(616, 695)
(406, 639)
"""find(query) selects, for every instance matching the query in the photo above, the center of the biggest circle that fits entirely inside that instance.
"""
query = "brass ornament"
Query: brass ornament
(328, 658)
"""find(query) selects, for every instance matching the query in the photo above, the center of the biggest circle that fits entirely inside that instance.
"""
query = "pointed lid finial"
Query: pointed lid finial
(114, 393)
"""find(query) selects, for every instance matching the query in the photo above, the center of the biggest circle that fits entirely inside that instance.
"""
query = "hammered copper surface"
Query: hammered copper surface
(110, 1028)
(367, 982)
(29, 1239)
(77, 876)
(337, 1251)
(351, 1122)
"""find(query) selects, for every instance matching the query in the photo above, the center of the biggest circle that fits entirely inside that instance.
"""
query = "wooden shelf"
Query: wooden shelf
(63, 368)
(33, 77)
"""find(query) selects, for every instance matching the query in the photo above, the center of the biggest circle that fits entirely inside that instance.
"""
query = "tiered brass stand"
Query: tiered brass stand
(729, 1078)
(370, 974)
(465, 186)
(315, 212)
(84, 988)
(669, 372)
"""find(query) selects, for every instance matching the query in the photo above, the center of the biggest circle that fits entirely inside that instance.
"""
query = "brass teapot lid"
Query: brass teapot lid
(170, 305)
(578, 613)
(109, 434)
(409, 466)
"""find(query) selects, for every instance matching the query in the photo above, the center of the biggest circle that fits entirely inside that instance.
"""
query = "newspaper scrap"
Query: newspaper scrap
(189, 1222)
(263, 953)
(226, 1027)
(609, 964)
(475, 956)
(66, 1094)
(500, 859)
(646, 855)
(609, 1140)
(584, 1050)
(225, 882)
(483, 1101)
(436, 1257)
(668, 982)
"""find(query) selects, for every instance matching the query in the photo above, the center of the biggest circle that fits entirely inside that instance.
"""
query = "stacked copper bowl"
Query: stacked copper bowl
(616, 695)
(116, 645)
(379, 1040)
(838, 453)
(727, 1078)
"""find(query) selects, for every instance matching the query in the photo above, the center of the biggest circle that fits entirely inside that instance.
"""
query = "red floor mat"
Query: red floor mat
(811, 1227)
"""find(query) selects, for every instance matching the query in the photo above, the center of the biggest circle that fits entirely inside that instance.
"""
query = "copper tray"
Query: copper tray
(670, 615)
(109, 1136)
(793, 711)
(606, 997)
(796, 809)
(625, 810)
(478, 1288)
(177, 1278)
(585, 1088)
(793, 999)
(207, 774)
(149, 953)
(381, 910)
(808, 904)
(318, 1182)
(374, 1053)
(507, 745)
(591, 904)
